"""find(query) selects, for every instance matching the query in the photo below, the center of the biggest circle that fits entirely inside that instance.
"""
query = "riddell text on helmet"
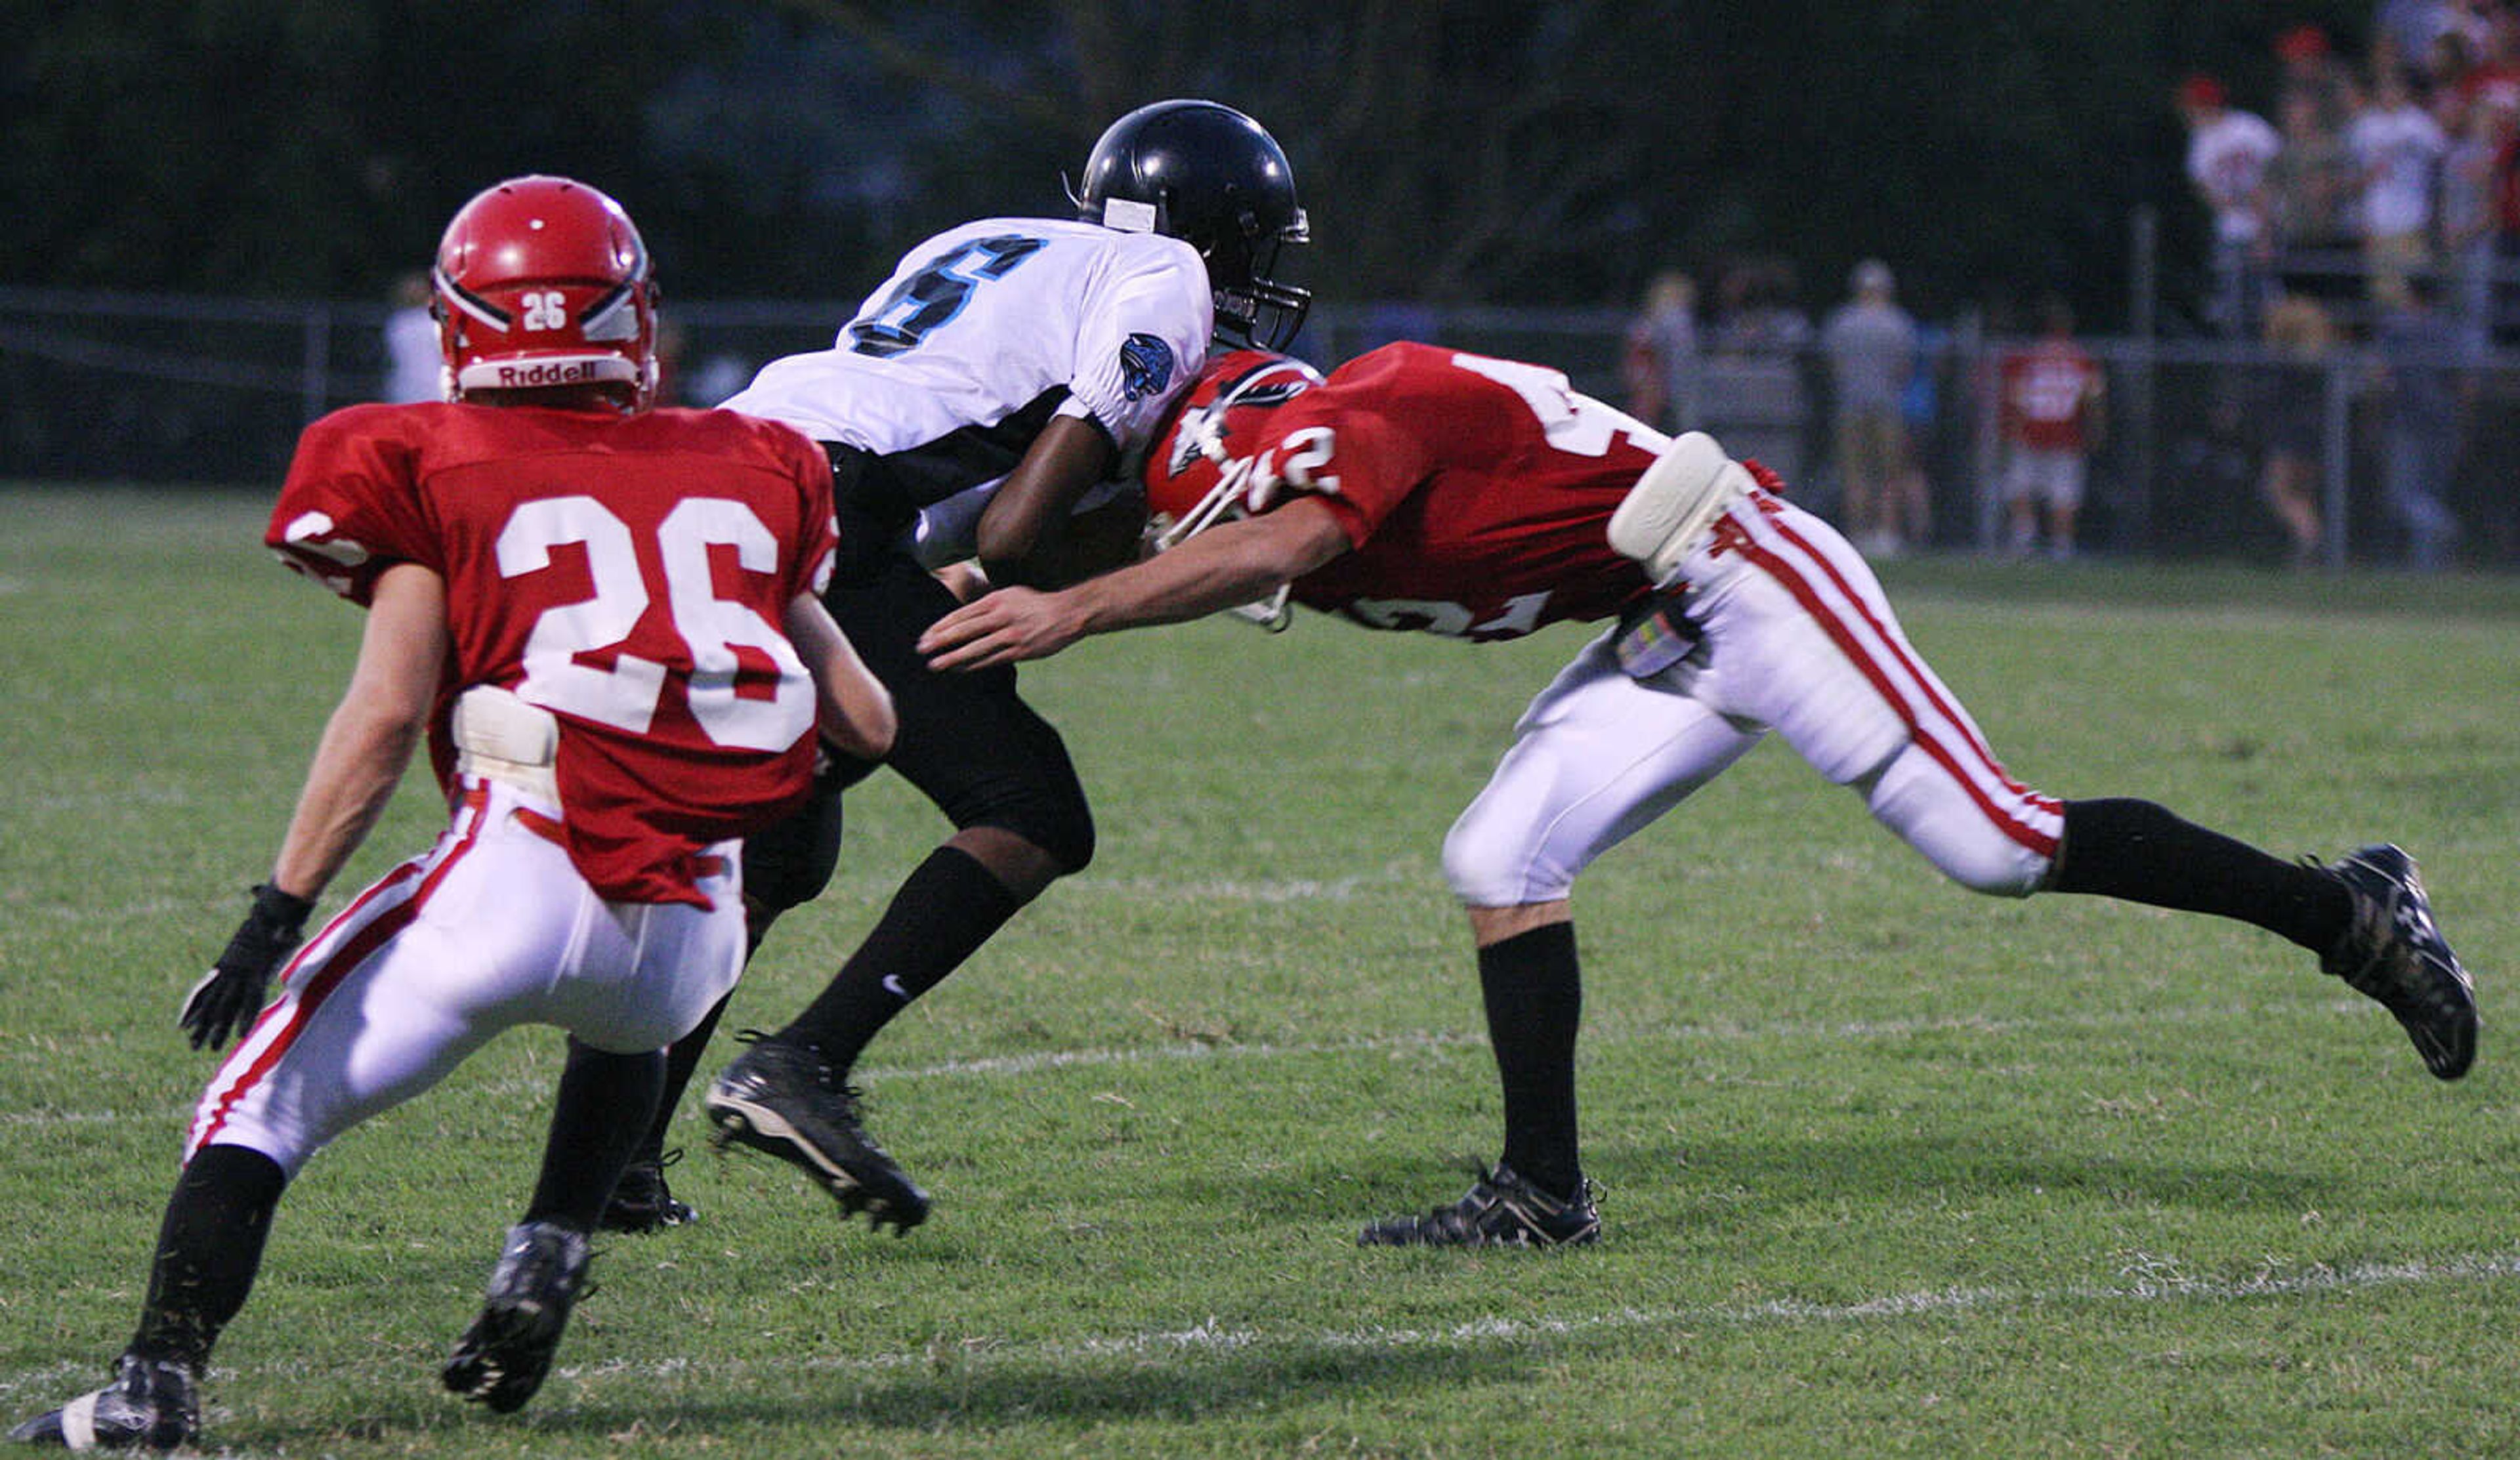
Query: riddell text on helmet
(547, 373)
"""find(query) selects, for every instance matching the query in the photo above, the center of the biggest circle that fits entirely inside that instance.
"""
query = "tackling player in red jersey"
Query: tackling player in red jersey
(603, 619)
(1428, 489)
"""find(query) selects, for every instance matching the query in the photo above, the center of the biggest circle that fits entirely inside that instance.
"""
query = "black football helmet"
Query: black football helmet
(1212, 177)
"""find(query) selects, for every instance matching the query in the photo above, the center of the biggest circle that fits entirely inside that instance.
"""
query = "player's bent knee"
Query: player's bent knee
(1060, 826)
(1490, 864)
(1068, 839)
(789, 864)
(1996, 871)
(1999, 847)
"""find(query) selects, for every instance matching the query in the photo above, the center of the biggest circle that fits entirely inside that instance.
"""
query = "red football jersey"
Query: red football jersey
(2046, 388)
(1477, 492)
(629, 573)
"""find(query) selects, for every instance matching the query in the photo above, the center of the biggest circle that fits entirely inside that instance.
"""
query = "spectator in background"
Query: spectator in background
(1758, 313)
(2215, 464)
(1755, 389)
(1921, 407)
(2505, 192)
(414, 371)
(2228, 153)
(2455, 52)
(2481, 135)
(1870, 343)
(2397, 150)
(1661, 362)
(2493, 79)
(2478, 129)
(2310, 187)
(2291, 404)
(2417, 348)
(2049, 413)
(2309, 67)
(2410, 32)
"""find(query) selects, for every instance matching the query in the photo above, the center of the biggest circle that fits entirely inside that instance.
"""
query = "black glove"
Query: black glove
(227, 998)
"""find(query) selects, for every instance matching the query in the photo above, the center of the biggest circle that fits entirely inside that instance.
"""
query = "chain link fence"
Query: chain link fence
(155, 388)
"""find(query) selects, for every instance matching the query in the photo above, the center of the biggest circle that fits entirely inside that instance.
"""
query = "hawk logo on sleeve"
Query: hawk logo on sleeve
(1146, 366)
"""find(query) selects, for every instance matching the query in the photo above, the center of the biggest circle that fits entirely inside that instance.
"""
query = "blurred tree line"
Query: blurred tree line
(1455, 153)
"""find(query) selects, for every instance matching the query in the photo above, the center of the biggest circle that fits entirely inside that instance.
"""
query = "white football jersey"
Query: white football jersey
(982, 335)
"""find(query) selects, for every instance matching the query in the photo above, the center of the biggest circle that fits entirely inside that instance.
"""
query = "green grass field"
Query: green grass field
(1889, 1168)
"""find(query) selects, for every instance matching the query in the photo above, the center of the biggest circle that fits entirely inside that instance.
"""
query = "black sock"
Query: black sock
(943, 912)
(682, 1059)
(2138, 852)
(210, 1247)
(1535, 998)
(597, 1120)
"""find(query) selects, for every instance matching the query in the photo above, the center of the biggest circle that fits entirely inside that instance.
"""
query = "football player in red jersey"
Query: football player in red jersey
(1423, 488)
(603, 619)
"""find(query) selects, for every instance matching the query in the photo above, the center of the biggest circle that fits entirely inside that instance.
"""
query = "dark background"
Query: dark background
(1455, 153)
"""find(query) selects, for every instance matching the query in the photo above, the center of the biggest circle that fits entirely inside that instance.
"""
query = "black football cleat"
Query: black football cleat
(150, 1405)
(504, 1356)
(777, 1097)
(1502, 1209)
(2393, 950)
(642, 1202)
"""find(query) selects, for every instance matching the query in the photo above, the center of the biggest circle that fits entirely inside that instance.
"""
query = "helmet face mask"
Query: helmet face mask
(1193, 474)
(541, 283)
(1212, 177)
(1260, 311)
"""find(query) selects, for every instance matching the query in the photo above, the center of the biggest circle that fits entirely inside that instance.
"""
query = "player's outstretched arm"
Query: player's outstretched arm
(1232, 563)
(359, 761)
(369, 738)
(857, 716)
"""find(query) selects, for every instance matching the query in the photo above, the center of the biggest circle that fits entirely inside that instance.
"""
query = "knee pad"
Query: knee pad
(1489, 860)
(789, 864)
(986, 759)
(2001, 846)
(1062, 826)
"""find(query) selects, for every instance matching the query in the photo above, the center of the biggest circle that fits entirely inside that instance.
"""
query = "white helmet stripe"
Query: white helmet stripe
(611, 317)
(472, 304)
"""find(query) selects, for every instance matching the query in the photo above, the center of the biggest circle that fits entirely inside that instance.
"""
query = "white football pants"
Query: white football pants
(492, 928)
(1797, 639)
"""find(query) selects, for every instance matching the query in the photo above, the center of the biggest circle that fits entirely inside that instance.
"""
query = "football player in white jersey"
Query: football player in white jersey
(970, 406)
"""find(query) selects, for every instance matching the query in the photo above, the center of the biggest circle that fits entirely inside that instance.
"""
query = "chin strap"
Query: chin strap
(1271, 613)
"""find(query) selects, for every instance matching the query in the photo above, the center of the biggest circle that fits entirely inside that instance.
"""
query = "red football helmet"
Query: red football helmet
(1195, 480)
(1201, 471)
(543, 281)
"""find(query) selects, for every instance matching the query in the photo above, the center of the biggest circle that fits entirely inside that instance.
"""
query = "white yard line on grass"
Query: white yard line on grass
(2150, 1284)
(2147, 1288)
